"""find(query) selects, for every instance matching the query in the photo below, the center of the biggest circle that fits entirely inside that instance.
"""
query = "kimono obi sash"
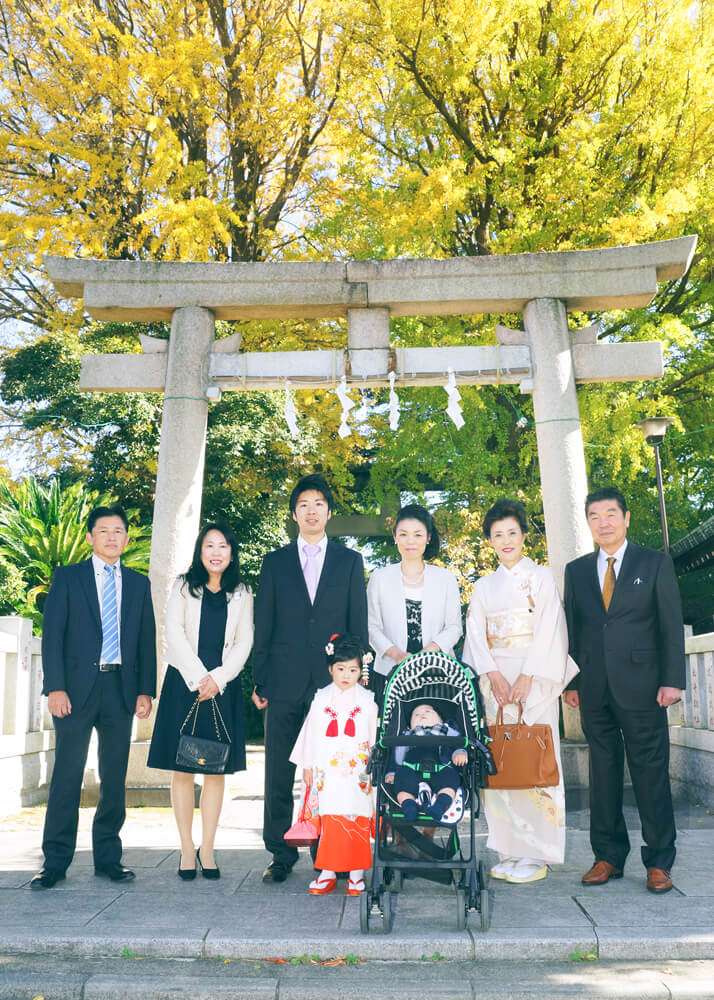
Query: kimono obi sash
(510, 629)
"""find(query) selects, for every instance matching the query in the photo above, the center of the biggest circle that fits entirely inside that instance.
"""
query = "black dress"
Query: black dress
(176, 699)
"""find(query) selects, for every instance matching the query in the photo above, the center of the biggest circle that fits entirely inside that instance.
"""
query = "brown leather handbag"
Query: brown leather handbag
(524, 755)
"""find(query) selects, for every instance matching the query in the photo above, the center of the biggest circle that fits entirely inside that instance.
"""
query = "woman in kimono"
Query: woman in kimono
(517, 644)
(333, 750)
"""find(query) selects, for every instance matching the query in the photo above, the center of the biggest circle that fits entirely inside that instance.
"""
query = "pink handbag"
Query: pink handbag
(306, 828)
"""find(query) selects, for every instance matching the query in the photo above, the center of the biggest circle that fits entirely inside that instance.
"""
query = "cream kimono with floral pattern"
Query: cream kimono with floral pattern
(516, 624)
(335, 741)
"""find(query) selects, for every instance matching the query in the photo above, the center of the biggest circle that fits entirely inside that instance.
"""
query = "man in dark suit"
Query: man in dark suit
(626, 634)
(308, 590)
(99, 667)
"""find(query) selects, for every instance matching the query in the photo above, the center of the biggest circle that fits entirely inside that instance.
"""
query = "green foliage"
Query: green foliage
(44, 527)
(12, 588)
(578, 955)
(432, 130)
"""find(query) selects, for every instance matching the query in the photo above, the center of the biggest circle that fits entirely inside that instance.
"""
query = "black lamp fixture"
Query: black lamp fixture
(654, 430)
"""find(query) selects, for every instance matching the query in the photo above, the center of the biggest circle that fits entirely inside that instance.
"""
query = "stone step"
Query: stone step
(34, 976)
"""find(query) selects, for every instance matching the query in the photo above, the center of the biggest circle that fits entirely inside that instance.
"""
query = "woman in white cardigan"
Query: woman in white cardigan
(412, 604)
(209, 635)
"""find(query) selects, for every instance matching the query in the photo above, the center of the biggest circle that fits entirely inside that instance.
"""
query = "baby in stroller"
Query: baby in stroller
(412, 768)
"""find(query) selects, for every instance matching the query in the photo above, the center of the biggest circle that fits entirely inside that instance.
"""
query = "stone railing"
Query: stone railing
(26, 733)
(692, 725)
(27, 736)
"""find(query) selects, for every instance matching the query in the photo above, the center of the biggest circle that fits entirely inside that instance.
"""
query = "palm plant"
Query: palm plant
(43, 527)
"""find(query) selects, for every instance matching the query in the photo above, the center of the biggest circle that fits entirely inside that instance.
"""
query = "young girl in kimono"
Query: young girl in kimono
(332, 750)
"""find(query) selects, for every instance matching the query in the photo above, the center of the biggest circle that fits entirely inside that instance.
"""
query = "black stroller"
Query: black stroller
(400, 849)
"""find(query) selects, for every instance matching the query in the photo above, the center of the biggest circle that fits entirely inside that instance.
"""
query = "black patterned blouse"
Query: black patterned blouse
(414, 639)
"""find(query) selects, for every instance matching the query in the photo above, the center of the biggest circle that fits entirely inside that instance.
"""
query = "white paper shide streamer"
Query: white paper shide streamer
(454, 407)
(393, 403)
(361, 414)
(290, 412)
(347, 404)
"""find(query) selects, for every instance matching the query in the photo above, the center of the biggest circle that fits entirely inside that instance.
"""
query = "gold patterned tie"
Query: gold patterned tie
(608, 584)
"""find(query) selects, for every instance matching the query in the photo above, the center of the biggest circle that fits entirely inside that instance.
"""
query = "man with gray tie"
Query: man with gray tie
(99, 670)
(308, 590)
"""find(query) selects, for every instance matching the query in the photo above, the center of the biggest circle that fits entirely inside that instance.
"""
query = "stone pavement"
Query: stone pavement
(239, 923)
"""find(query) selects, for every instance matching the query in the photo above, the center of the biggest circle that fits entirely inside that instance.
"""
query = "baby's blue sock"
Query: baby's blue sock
(410, 808)
(439, 806)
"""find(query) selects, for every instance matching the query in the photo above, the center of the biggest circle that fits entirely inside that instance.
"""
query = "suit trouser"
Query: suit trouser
(642, 734)
(283, 721)
(105, 711)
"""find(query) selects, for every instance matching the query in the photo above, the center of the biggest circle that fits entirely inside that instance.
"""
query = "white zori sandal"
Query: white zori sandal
(527, 870)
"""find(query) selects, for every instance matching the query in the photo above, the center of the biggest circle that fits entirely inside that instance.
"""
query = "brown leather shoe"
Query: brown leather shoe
(658, 880)
(600, 873)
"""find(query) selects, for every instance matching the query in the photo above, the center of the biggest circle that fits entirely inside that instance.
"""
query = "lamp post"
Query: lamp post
(654, 430)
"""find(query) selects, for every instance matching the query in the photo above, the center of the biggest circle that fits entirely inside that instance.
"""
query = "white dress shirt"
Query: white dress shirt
(602, 558)
(319, 558)
(99, 577)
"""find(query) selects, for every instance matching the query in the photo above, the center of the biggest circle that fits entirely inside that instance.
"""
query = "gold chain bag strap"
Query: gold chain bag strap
(524, 755)
(195, 753)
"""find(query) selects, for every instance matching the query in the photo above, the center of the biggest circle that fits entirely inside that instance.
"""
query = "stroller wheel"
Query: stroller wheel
(365, 906)
(461, 910)
(484, 898)
(485, 909)
(388, 911)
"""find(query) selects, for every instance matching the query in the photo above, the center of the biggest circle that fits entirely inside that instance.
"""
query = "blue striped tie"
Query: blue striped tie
(110, 621)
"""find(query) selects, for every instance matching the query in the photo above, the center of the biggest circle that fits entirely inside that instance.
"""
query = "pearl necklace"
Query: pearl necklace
(412, 583)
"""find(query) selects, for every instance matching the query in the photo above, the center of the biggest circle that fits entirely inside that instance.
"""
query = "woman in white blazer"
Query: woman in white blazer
(209, 635)
(412, 604)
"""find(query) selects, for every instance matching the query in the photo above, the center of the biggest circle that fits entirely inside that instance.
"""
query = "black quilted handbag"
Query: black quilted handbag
(201, 755)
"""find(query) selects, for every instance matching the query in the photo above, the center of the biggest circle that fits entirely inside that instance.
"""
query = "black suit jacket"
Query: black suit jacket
(72, 635)
(291, 633)
(637, 645)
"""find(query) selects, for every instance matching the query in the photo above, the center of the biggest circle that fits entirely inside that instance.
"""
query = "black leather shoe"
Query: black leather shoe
(212, 873)
(46, 878)
(117, 873)
(277, 871)
(186, 874)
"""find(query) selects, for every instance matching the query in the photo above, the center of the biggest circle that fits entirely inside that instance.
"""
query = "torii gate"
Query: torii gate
(545, 359)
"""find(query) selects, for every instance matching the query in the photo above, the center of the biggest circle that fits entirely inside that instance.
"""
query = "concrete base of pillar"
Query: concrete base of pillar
(692, 765)
(26, 764)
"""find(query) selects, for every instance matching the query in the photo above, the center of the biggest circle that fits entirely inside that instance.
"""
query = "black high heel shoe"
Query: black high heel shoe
(186, 874)
(211, 873)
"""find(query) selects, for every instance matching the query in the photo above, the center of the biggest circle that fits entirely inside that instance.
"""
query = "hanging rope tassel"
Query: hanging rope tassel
(332, 728)
(350, 724)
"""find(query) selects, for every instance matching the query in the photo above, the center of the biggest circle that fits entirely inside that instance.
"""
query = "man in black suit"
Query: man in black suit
(626, 634)
(308, 590)
(99, 667)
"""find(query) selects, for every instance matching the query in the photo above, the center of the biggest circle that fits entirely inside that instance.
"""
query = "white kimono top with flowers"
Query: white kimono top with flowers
(335, 741)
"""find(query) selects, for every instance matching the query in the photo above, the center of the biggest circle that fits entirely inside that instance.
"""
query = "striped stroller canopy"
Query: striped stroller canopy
(433, 677)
